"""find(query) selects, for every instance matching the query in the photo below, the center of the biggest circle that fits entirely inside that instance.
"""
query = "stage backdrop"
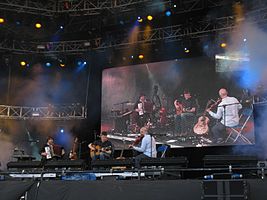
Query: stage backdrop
(161, 84)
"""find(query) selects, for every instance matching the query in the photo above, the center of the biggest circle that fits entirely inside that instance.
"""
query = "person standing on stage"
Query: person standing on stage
(147, 148)
(227, 112)
(139, 107)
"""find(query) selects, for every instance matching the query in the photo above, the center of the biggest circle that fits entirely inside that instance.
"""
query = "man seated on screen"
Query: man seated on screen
(101, 149)
(185, 119)
(227, 112)
(147, 148)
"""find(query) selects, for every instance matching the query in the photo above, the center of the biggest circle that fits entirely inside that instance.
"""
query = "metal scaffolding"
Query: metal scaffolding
(96, 7)
(170, 33)
(51, 112)
(45, 8)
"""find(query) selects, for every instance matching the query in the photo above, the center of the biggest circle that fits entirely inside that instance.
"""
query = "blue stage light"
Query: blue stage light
(168, 13)
(62, 130)
(48, 64)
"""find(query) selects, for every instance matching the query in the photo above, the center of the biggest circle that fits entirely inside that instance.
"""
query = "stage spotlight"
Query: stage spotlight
(48, 64)
(61, 27)
(18, 23)
(61, 130)
(2, 20)
(132, 57)
(168, 13)
(186, 50)
(140, 19)
(149, 17)
(174, 5)
(223, 45)
(23, 63)
(245, 39)
(81, 63)
(140, 56)
(61, 63)
(38, 25)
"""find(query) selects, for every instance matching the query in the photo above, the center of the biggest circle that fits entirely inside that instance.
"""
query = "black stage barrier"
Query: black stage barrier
(13, 190)
(134, 189)
(130, 190)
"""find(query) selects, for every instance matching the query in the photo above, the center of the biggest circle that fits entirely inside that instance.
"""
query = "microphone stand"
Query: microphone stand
(151, 141)
(224, 112)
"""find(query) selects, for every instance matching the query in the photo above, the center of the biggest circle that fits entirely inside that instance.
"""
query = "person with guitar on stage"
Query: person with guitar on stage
(52, 151)
(227, 112)
(101, 149)
(147, 148)
(185, 113)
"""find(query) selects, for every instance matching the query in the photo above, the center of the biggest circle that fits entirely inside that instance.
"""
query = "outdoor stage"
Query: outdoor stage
(132, 189)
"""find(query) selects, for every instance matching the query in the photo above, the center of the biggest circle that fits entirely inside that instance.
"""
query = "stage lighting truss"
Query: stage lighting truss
(74, 8)
(95, 7)
(45, 8)
(51, 112)
(198, 29)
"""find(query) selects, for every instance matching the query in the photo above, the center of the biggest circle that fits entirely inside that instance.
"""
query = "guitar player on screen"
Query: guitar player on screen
(185, 113)
(101, 149)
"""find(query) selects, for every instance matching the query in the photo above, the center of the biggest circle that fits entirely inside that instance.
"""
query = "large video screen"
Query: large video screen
(184, 103)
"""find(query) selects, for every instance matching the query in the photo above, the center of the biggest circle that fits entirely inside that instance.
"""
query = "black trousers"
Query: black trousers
(138, 160)
(219, 131)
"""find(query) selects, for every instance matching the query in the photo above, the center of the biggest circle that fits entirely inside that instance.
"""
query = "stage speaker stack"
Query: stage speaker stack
(227, 160)
(65, 164)
(24, 165)
(225, 190)
(176, 162)
(128, 163)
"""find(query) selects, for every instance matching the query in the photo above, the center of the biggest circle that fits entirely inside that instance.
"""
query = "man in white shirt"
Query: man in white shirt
(227, 112)
(147, 148)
